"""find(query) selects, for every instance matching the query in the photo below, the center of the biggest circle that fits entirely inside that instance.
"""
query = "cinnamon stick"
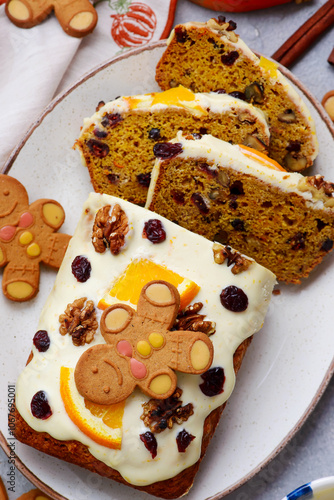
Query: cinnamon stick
(299, 42)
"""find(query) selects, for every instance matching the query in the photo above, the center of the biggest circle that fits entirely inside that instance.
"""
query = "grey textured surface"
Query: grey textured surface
(310, 454)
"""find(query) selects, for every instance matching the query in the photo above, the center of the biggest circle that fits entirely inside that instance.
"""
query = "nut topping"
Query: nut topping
(221, 253)
(320, 189)
(109, 230)
(79, 321)
(190, 319)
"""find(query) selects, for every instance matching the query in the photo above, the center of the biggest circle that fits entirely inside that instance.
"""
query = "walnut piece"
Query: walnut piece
(79, 321)
(190, 319)
(109, 230)
(159, 414)
(320, 189)
(221, 253)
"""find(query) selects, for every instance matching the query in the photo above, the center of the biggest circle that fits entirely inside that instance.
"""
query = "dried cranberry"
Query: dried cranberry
(237, 188)
(197, 200)
(234, 299)
(148, 438)
(81, 268)
(327, 245)
(113, 178)
(181, 35)
(39, 406)
(206, 168)
(98, 148)
(183, 440)
(213, 381)
(144, 179)
(238, 225)
(238, 95)
(101, 134)
(293, 146)
(321, 224)
(230, 58)
(220, 91)
(203, 130)
(233, 204)
(154, 231)
(154, 133)
(178, 197)
(297, 241)
(41, 340)
(111, 119)
(167, 150)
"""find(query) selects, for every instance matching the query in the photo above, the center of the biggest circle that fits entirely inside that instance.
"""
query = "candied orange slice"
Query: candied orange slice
(128, 286)
(253, 154)
(102, 423)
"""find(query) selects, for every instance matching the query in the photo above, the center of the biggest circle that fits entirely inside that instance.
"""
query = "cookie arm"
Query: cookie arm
(3, 258)
(55, 247)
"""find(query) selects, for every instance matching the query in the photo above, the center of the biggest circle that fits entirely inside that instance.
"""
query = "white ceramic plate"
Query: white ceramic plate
(287, 366)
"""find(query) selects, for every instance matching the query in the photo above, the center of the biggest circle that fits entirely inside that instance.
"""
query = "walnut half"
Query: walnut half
(109, 230)
(221, 253)
(79, 321)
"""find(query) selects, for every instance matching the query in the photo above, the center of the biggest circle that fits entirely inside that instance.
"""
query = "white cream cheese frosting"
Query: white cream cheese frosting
(182, 252)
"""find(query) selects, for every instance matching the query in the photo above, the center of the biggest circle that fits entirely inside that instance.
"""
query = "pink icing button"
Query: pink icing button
(7, 233)
(138, 369)
(26, 220)
(125, 348)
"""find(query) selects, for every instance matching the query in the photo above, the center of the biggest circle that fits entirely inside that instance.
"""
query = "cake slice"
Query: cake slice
(117, 142)
(96, 389)
(210, 56)
(240, 197)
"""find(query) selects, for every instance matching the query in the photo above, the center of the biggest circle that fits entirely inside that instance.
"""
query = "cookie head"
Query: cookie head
(13, 199)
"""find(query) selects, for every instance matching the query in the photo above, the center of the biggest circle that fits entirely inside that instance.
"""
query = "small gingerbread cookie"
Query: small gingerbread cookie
(34, 494)
(3, 491)
(141, 350)
(328, 103)
(77, 17)
(28, 236)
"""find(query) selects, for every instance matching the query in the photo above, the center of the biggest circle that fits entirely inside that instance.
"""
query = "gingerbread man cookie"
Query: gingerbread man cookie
(27, 237)
(77, 17)
(141, 350)
(34, 494)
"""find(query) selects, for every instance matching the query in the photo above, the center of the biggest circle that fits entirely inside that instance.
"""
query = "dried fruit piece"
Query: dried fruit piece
(111, 119)
(238, 95)
(199, 202)
(167, 150)
(81, 268)
(154, 133)
(234, 299)
(238, 224)
(181, 35)
(183, 440)
(327, 245)
(178, 197)
(97, 148)
(39, 406)
(41, 340)
(230, 58)
(101, 134)
(144, 179)
(154, 231)
(213, 381)
(148, 438)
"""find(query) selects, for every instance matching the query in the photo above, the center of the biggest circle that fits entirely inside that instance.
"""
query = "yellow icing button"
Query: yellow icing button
(143, 348)
(53, 214)
(156, 339)
(199, 355)
(26, 237)
(19, 290)
(161, 384)
(33, 250)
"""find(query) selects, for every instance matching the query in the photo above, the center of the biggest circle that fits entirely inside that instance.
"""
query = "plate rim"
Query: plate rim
(22, 467)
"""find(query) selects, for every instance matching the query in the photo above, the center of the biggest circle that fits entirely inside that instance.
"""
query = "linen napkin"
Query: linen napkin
(37, 63)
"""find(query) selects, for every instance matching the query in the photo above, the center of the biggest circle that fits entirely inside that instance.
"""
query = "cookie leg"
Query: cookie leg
(20, 282)
(190, 352)
(161, 384)
(27, 13)
(77, 18)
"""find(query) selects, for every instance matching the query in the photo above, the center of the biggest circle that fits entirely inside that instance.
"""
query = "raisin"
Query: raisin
(206, 168)
(237, 188)
(39, 406)
(234, 299)
(198, 201)
(203, 130)
(101, 134)
(321, 224)
(181, 35)
(327, 245)
(238, 225)
(111, 120)
(113, 178)
(41, 340)
(213, 381)
(178, 197)
(167, 150)
(230, 58)
(220, 91)
(233, 204)
(183, 440)
(98, 148)
(298, 241)
(238, 95)
(293, 146)
(214, 43)
(81, 268)
(154, 133)
(150, 442)
(154, 231)
(144, 179)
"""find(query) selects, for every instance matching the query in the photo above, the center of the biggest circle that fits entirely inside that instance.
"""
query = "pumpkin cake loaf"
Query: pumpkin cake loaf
(137, 347)
(210, 56)
(240, 197)
(117, 142)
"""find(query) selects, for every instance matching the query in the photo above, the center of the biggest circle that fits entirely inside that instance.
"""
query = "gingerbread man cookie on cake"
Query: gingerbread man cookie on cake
(28, 236)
